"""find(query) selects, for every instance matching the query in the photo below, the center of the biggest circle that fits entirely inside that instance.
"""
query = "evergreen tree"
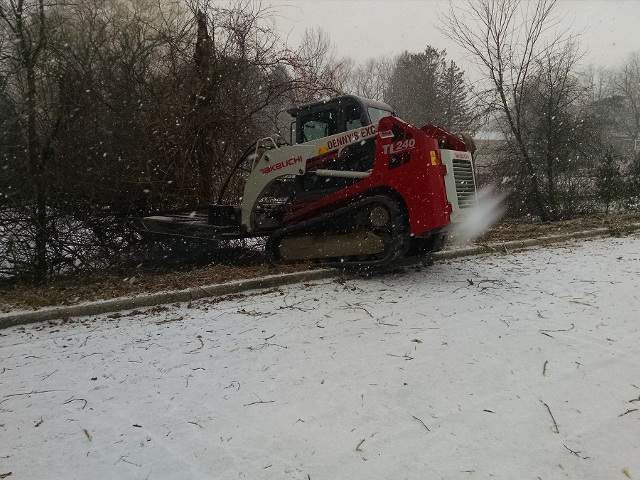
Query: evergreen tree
(608, 181)
(426, 88)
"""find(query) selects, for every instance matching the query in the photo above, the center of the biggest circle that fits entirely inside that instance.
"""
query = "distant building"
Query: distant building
(610, 112)
(489, 151)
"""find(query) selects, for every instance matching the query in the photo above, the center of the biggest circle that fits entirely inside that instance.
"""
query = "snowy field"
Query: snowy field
(521, 366)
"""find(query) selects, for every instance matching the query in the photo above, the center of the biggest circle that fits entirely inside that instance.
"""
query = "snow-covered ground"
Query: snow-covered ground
(521, 366)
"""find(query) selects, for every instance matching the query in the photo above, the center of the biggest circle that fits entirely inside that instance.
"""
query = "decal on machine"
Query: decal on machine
(282, 164)
(350, 137)
(399, 146)
(461, 155)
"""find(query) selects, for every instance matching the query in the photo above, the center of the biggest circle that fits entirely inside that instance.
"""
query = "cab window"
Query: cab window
(353, 117)
(375, 114)
(318, 125)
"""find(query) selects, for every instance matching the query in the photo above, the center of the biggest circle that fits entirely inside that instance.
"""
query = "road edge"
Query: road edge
(271, 281)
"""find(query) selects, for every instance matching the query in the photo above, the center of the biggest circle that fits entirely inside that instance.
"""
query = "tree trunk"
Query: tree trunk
(36, 169)
(201, 153)
(551, 188)
(538, 200)
(551, 180)
(205, 168)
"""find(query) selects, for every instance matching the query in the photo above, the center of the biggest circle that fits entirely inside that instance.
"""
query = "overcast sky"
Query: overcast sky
(609, 29)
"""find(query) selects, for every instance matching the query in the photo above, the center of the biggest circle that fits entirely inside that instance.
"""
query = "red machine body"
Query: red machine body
(407, 165)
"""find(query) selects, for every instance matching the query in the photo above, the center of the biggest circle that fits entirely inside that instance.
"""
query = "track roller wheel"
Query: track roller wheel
(370, 233)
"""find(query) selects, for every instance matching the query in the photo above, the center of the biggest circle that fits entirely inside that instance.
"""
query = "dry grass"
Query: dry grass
(102, 286)
(506, 231)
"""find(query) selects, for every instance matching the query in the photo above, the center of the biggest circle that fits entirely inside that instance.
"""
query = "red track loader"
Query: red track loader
(356, 186)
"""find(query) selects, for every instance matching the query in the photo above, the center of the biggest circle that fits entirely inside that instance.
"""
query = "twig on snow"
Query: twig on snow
(583, 303)
(295, 306)
(33, 392)
(573, 325)
(406, 356)
(48, 375)
(234, 384)
(544, 368)
(73, 399)
(90, 355)
(253, 313)
(259, 402)
(169, 320)
(359, 307)
(123, 458)
(266, 344)
(628, 412)
(555, 424)
(358, 449)
(576, 452)
(423, 424)
(380, 322)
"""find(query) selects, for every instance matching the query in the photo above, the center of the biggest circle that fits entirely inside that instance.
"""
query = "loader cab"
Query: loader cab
(341, 114)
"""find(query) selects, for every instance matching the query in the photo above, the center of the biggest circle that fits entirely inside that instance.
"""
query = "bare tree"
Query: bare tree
(506, 37)
(553, 122)
(371, 79)
(25, 22)
(117, 108)
(564, 132)
(79, 86)
(317, 71)
(628, 85)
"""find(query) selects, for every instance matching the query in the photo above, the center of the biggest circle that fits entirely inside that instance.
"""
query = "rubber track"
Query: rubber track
(393, 249)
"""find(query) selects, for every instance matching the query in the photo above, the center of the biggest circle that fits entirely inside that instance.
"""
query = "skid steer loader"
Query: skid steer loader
(355, 186)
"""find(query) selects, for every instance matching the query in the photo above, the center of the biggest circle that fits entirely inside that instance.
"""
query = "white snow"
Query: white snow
(345, 370)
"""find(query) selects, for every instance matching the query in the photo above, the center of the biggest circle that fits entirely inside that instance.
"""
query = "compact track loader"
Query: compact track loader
(356, 186)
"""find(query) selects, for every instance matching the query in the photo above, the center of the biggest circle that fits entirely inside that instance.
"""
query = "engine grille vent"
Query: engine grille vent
(465, 186)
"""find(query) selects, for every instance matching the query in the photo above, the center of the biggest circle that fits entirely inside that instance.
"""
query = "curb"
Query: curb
(194, 293)
(153, 299)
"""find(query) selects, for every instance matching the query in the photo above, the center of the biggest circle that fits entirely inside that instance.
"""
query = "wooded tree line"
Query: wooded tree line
(112, 108)
(571, 136)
